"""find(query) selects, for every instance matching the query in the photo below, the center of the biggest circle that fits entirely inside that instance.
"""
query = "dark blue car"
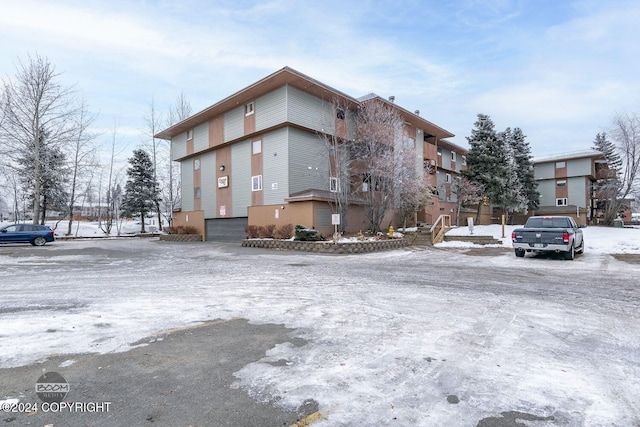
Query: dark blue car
(37, 235)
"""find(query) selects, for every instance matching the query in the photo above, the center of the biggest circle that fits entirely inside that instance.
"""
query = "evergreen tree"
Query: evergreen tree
(141, 189)
(608, 184)
(522, 164)
(487, 161)
(52, 180)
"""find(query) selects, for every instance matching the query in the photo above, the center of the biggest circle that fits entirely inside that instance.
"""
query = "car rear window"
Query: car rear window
(548, 223)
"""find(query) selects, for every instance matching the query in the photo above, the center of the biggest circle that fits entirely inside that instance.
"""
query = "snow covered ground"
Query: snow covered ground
(392, 336)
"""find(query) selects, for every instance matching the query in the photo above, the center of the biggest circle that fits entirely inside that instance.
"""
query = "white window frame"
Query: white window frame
(197, 193)
(256, 183)
(196, 165)
(249, 109)
(256, 147)
(447, 178)
(189, 134)
(440, 153)
(560, 165)
(561, 183)
(334, 184)
(561, 201)
(464, 160)
(453, 156)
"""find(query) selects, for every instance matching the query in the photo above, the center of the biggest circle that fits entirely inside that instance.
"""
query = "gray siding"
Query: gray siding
(446, 158)
(241, 178)
(577, 191)
(271, 109)
(308, 162)
(234, 124)
(179, 146)
(201, 137)
(275, 160)
(186, 180)
(545, 171)
(308, 111)
(208, 184)
(547, 190)
(579, 167)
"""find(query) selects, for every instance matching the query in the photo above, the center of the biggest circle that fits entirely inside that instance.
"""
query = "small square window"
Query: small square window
(562, 183)
(256, 183)
(196, 193)
(196, 165)
(453, 156)
(448, 177)
(189, 134)
(339, 113)
(257, 147)
(464, 160)
(560, 165)
(561, 202)
(248, 109)
(439, 153)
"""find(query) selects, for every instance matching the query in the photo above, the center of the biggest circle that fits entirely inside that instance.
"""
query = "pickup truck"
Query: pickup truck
(558, 234)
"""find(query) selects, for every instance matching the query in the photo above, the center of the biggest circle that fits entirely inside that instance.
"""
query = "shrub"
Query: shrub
(252, 231)
(183, 229)
(266, 231)
(283, 232)
(307, 234)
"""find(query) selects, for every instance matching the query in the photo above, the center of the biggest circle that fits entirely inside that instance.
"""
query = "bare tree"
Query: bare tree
(625, 133)
(113, 189)
(338, 150)
(82, 151)
(34, 104)
(153, 120)
(467, 194)
(379, 128)
(412, 190)
(178, 112)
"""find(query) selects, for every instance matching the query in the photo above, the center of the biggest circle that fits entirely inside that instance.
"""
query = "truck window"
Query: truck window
(548, 223)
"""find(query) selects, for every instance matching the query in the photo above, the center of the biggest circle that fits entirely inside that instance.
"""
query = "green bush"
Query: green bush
(307, 234)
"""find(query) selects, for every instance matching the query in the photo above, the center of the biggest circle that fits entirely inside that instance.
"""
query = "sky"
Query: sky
(559, 70)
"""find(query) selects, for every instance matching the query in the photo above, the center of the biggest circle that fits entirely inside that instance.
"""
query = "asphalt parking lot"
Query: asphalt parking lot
(212, 334)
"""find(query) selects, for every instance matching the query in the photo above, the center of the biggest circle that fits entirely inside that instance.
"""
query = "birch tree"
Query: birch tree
(34, 103)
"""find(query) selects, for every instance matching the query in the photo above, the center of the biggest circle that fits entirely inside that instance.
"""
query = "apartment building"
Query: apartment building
(566, 184)
(256, 157)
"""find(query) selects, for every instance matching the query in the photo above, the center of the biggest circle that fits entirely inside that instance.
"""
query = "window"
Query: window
(561, 202)
(189, 134)
(257, 147)
(256, 183)
(464, 160)
(334, 185)
(339, 113)
(196, 165)
(453, 156)
(196, 193)
(248, 109)
(561, 183)
(439, 153)
(447, 177)
(560, 165)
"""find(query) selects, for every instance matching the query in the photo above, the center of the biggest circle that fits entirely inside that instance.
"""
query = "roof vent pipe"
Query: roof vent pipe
(417, 112)
(392, 98)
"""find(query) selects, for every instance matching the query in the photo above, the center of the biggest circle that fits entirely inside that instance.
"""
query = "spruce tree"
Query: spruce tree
(487, 161)
(523, 166)
(608, 185)
(141, 189)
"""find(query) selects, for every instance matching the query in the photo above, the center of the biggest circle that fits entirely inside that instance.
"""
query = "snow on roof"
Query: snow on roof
(569, 155)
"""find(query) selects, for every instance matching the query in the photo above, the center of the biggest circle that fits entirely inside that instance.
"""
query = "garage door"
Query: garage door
(226, 229)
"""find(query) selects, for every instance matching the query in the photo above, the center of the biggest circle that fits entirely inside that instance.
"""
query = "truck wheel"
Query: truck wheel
(581, 248)
(519, 253)
(570, 254)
